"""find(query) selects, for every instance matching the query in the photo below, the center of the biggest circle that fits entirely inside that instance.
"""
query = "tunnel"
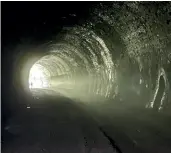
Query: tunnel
(76, 67)
(105, 66)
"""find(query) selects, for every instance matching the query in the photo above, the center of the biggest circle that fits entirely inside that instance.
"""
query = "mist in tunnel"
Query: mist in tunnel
(114, 54)
(78, 66)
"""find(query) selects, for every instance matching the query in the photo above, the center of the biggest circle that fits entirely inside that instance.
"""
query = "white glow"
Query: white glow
(37, 77)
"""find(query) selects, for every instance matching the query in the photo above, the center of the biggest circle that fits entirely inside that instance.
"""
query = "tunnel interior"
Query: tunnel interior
(111, 60)
(76, 68)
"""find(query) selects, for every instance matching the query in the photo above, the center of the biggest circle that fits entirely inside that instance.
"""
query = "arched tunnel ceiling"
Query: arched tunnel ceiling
(120, 50)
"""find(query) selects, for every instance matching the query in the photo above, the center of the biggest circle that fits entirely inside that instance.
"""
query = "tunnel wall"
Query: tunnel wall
(144, 30)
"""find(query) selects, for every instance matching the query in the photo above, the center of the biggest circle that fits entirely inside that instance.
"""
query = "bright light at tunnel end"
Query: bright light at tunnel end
(38, 77)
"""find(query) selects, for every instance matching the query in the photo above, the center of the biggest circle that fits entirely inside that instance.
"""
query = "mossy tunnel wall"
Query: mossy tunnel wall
(118, 54)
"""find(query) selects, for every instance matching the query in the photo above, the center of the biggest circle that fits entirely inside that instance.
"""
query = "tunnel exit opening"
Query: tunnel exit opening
(38, 77)
(49, 76)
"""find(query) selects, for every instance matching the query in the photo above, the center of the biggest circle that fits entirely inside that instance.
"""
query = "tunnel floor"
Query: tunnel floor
(61, 125)
(138, 130)
(54, 125)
